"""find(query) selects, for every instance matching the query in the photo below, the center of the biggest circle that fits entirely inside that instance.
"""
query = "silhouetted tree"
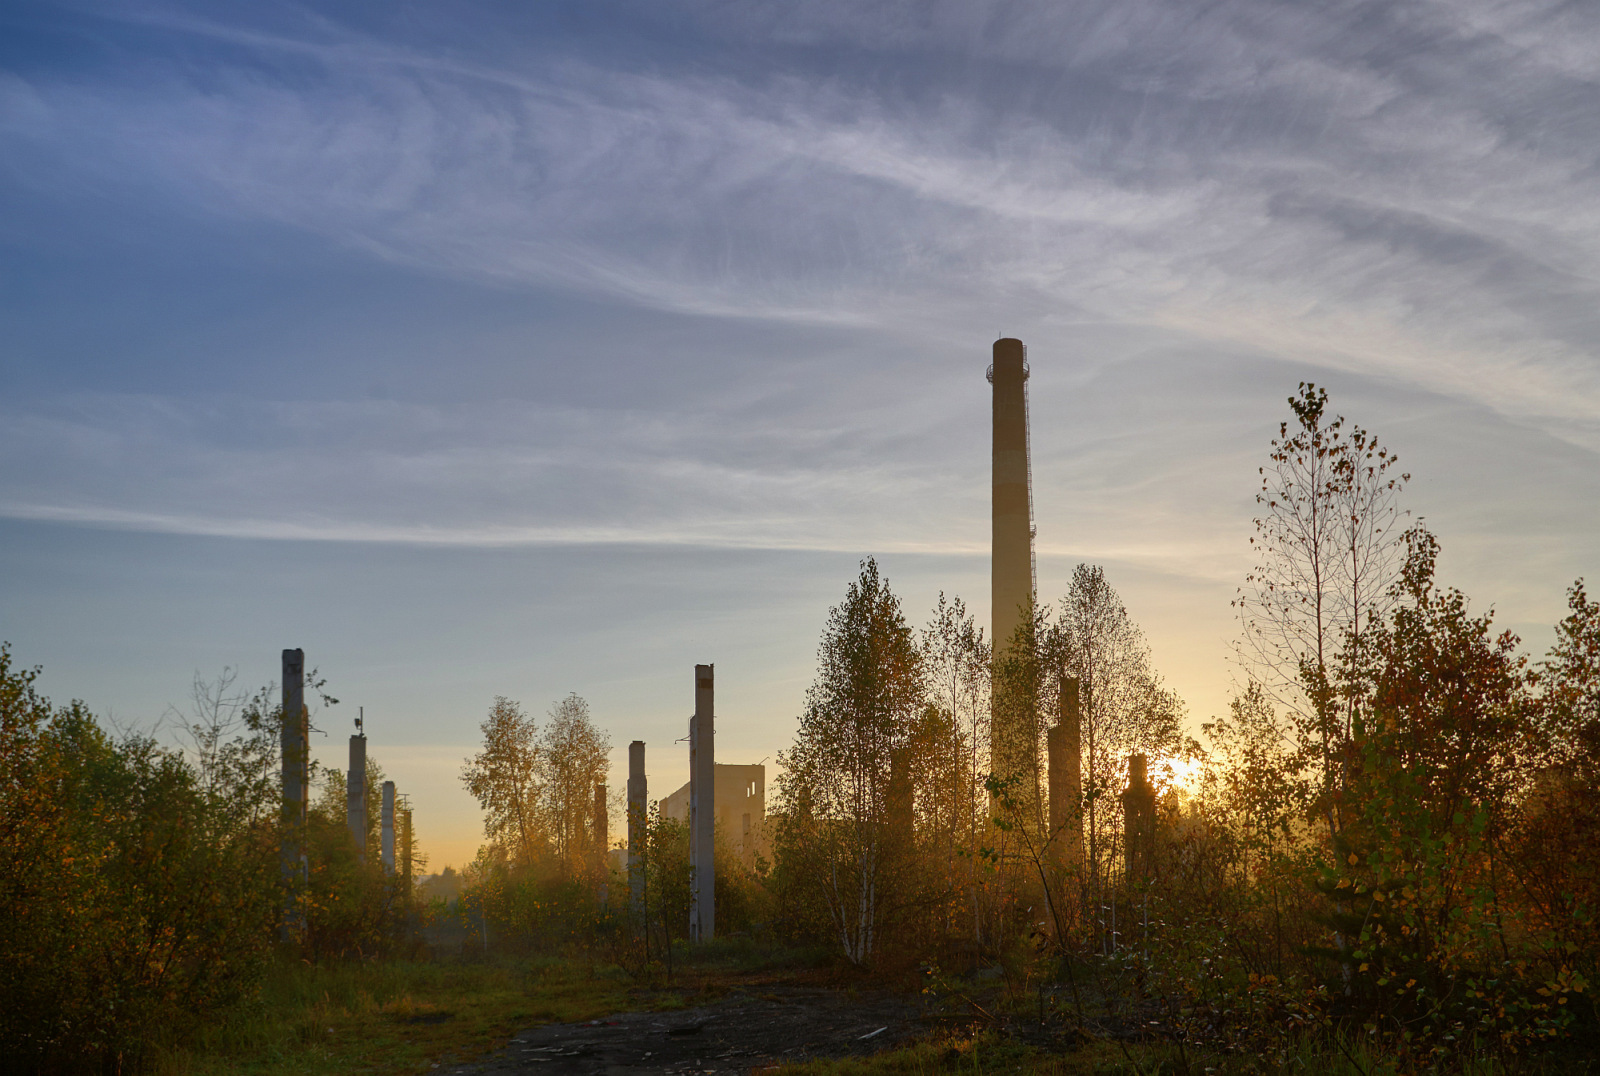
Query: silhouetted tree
(1125, 707)
(835, 781)
(950, 755)
(575, 757)
(1328, 554)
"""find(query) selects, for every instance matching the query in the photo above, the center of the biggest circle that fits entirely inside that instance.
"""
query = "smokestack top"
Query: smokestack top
(1010, 361)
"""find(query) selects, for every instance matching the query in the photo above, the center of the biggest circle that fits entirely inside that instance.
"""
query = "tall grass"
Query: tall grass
(390, 1016)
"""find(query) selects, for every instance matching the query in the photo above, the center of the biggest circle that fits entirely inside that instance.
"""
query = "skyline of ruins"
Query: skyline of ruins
(478, 362)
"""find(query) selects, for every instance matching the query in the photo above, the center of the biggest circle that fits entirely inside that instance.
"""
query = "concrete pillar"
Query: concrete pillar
(388, 827)
(638, 797)
(1066, 777)
(1138, 820)
(296, 775)
(702, 810)
(601, 825)
(1011, 551)
(356, 794)
(405, 848)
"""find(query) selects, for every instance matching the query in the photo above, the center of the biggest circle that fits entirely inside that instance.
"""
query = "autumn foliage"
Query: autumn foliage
(1386, 846)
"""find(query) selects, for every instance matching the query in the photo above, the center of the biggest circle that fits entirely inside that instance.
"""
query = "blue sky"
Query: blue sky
(526, 349)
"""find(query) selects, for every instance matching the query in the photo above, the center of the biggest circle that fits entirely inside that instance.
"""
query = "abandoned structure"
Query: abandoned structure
(403, 827)
(600, 839)
(1138, 820)
(741, 809)
(1064, 745)
(703, 808)
(638, 797)
(388, 827)
(355, 787)
(296, 776)
(1011, 562)
(1011, 569)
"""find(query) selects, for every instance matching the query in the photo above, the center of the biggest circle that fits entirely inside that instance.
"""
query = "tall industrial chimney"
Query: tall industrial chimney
(1011, 559)
(1011, 568)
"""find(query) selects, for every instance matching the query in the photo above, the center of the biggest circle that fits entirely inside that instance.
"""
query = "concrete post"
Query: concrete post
(702, 810)
(388, 827)
(405, 848)
(1138, 820)
(602, 840)
(1066, 777)
(356, 794)
(638, 792)
(296, 777)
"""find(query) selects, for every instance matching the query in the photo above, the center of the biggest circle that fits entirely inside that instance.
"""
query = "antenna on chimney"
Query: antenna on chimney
(361, 720)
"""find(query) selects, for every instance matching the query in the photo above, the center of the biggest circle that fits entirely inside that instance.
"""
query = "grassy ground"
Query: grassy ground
(991, 1053)
(988, 1053)
(398, 1017)
(394, 1017)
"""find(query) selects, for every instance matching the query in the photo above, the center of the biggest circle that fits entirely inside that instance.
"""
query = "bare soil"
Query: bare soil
(750, 1028)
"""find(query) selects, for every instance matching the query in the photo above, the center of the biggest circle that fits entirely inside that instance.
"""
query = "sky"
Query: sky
(526, 349)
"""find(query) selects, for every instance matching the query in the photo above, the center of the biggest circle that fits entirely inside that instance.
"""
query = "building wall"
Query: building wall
(741, 795)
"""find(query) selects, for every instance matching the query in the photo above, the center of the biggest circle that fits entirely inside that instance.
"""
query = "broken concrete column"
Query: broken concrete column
(388, 827)
(1138, 820)
(1066, 778)
(638, 793)
(356, 794)
(702, 809)
(405, 847)
(296, 776)
(601, 825)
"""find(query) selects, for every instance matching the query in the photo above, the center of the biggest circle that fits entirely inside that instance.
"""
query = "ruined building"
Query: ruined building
(1016, 715)
(741, 797)
(1139, 821)
(1065, 747)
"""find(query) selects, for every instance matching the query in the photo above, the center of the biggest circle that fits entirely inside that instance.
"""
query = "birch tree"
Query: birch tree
(858, 716)
(955, 660)
(1328, 555)
(952, 751)
(507, 781)
(576, 757)
(1125, 707)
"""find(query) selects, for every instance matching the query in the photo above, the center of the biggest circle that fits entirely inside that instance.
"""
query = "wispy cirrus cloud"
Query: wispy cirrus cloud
(1401, 192)
(528, 338)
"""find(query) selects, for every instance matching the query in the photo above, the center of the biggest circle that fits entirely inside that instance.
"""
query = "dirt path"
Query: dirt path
(748, 1029)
